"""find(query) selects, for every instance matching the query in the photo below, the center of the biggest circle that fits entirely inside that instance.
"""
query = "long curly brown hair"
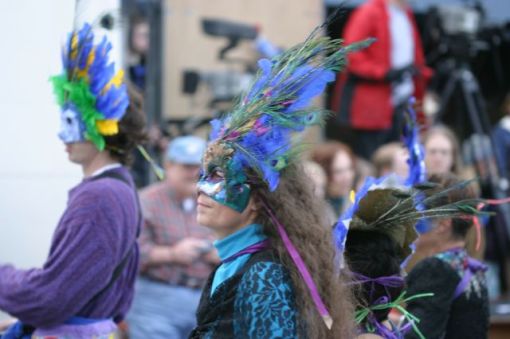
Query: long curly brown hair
(302, 215)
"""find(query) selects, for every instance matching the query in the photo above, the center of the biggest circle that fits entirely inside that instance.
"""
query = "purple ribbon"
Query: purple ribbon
(472, 266)
(381, 329)
(257, 247)
(305, 274)
(387, 281)
(393, 281)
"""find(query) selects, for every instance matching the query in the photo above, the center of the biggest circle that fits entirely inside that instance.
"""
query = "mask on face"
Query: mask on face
(228, 190)
(72, 128)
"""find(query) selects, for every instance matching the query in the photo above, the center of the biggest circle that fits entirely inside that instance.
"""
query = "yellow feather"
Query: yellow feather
(74, 45)
(107, 127)
(90, 59)
(352, 196)
(115, 81)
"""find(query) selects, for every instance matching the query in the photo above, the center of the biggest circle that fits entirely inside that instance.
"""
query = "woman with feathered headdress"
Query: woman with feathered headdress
(277, 277)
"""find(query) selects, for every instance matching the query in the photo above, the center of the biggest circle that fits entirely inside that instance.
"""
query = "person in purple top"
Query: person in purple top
(86, 284)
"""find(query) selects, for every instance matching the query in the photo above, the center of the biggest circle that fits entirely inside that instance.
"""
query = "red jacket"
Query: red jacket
(362, 97)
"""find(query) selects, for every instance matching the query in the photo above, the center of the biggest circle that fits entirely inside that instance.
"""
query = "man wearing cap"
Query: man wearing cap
(176, 254)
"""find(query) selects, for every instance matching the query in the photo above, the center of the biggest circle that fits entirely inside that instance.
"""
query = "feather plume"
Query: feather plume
(260, 128)
(90, 83)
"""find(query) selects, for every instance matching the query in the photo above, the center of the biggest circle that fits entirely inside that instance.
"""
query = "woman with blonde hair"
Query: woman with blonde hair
(442, 151)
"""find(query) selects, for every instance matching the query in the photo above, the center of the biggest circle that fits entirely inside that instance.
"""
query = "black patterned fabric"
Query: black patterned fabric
(257, 302)
(443, 315)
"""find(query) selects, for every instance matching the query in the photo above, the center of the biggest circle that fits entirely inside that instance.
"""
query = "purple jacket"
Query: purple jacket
(98, 229)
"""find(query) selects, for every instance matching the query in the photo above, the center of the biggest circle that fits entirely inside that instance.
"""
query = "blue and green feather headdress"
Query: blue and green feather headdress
(91, 85)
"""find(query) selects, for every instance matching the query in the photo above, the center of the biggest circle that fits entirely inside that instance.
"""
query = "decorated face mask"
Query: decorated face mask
(228, 188)
(72, 128)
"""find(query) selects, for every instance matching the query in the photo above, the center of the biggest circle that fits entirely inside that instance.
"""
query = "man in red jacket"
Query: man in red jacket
(371, 95)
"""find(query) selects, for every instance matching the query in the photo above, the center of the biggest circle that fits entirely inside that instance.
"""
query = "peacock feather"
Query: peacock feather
(395, 212)
(261, 127)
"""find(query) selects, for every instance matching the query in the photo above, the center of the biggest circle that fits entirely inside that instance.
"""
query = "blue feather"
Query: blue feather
(315, 86)
(416, 161)
(265, 66)
(216, 127)
(349, 213)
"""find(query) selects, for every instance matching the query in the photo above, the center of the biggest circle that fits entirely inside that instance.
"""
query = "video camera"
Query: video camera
(234, 31)
(226, 85)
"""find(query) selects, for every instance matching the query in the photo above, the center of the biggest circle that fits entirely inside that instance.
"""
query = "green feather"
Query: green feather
(79, 94)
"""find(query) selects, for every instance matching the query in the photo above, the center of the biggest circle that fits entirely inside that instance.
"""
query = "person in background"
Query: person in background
(391, 158)
(442, 152)
(137, 58)
(442, 157)
(139, 43)
(388, 73)
(319, 180)
(501, 136)
(459, 307)
(362, 170)
(176, 252)
(338, 162)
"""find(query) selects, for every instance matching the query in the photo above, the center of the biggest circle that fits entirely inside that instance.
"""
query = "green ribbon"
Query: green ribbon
(362, 314)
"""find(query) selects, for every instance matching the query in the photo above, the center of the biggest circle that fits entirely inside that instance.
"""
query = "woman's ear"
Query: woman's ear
(254, 205)
(444, 226)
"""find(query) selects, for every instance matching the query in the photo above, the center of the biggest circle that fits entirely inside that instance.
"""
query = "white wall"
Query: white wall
(34, 172)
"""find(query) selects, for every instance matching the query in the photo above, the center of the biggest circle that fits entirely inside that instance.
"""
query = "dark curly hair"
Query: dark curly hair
(373, 254)
(132, 130)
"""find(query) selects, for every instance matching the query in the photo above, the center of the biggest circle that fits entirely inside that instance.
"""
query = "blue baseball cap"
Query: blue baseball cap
(186, 150)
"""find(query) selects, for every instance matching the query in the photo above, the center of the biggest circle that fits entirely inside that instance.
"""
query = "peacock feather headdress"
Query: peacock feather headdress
(258, 133)
(91, 85)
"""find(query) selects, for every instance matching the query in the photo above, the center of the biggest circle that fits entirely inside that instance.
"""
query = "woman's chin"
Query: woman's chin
(203, 219)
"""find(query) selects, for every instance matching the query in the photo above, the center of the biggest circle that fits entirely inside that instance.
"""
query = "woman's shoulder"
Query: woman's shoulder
(266, 272)
(433, 263)
(265, 277)
(432, 275)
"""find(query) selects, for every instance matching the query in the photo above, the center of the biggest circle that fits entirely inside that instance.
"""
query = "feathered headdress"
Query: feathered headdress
(91, 85)
(259, 129)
